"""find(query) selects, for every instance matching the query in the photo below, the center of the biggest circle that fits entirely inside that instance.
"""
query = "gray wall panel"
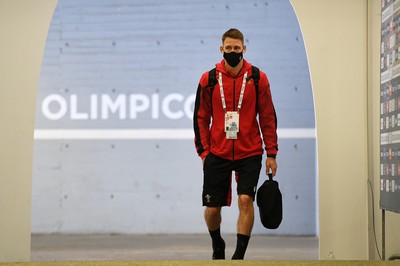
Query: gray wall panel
(122, 48)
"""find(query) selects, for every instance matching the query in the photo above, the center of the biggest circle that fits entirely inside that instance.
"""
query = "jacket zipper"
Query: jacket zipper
(234, 109)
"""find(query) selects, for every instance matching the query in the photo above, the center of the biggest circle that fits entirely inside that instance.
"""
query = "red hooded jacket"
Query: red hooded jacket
(209, 116)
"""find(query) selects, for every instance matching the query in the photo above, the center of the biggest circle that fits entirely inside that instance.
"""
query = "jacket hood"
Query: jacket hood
(221, 67)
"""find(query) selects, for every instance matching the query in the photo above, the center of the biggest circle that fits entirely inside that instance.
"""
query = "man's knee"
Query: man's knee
(245, 201)
(213, 211)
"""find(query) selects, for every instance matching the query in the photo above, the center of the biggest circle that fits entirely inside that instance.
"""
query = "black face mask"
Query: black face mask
(232, 58)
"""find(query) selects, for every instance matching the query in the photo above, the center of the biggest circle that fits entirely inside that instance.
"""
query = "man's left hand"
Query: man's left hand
(271, 166)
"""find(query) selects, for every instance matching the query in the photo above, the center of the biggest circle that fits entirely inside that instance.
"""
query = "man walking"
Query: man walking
(229, 137)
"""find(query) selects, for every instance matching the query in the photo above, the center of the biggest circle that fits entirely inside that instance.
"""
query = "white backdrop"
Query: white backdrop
(114, 148)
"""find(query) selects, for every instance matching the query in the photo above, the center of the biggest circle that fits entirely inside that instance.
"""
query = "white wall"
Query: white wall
(23, 31)
(342, 40)
(335, 34)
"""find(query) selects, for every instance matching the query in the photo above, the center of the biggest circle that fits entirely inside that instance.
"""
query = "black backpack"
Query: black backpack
(212, 79)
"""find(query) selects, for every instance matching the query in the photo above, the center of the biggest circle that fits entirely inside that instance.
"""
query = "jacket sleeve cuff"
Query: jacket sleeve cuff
(271, 153)
(204, 154)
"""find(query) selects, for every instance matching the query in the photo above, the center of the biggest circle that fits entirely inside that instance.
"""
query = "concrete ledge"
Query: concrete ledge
(195, 263)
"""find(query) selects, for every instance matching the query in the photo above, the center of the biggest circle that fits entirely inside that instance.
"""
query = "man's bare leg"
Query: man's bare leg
(212, 216)
(244, 226)
(246, 215)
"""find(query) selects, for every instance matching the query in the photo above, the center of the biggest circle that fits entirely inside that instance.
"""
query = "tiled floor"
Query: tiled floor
(165, 247)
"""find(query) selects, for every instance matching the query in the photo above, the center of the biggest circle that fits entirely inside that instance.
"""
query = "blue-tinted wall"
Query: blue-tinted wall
(135, 65)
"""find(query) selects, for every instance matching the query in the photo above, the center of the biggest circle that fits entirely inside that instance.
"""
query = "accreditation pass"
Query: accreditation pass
(231, 124)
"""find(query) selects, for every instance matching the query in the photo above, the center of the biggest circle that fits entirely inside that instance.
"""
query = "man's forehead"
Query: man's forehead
(232, 42)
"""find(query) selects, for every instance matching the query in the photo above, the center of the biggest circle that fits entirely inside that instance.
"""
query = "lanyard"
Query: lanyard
(221, 90)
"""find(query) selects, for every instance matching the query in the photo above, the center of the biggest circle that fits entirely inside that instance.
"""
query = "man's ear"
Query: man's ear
(244, 48)
(221, 49)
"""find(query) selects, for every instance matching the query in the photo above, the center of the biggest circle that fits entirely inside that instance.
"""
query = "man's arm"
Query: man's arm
(268, 123)
(202, 117)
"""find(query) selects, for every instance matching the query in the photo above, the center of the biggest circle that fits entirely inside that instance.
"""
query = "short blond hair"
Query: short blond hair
(234, 34)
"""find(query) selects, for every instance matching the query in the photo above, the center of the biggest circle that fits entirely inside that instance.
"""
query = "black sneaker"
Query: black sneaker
(219, 252)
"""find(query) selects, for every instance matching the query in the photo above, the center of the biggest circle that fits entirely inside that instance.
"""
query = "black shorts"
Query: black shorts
(217, 184)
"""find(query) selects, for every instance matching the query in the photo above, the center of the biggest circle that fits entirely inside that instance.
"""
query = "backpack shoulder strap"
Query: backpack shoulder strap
(256, 76)
(212, 78)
